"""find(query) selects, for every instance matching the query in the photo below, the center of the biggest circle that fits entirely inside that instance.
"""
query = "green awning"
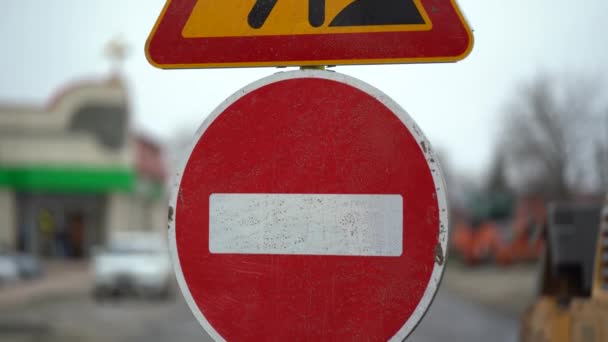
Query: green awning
(67, 179)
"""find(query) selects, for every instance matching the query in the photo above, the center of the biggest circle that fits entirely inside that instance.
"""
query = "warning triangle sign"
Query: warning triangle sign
(236, 33)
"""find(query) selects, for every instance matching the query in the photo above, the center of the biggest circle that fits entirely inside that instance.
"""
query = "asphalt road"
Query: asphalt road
(453, 319)
(79, 318)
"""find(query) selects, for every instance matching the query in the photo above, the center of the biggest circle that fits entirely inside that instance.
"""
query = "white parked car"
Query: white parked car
(9, 270)
(133, 263)
(16, 266)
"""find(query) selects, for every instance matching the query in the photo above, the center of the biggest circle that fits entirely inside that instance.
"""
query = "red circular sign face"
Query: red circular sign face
(310, 208)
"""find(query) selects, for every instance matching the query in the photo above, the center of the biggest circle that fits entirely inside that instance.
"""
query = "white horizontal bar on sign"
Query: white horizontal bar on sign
(306, 224)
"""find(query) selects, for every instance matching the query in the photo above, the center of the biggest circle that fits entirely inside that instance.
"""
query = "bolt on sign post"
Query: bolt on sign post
(237, 33)
(310, 207)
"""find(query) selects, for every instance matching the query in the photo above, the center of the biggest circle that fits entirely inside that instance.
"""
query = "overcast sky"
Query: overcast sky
(48, 44)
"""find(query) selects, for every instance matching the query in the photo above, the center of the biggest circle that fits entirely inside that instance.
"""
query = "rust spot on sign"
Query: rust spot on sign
(180, 196)
(170, 214)
(439, 259)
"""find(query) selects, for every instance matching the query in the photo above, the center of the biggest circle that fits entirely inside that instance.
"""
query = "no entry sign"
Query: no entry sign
(310, 208)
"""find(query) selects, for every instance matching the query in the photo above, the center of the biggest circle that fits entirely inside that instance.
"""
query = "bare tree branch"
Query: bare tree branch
(549, 135)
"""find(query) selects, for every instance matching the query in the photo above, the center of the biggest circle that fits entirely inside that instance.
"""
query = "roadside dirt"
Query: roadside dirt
(506, 289)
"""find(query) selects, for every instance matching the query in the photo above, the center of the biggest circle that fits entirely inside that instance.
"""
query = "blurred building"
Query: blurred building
(73, 172)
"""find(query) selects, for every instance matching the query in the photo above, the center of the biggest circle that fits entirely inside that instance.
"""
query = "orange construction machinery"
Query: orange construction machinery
(500, 229)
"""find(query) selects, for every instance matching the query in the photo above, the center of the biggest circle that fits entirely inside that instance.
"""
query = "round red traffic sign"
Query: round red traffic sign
(310, 207)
